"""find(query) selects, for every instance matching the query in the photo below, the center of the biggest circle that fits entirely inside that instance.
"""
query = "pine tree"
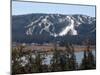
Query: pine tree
(64, 60)
(55, 61)
(71, 58)
(88, 61)
(17, 53)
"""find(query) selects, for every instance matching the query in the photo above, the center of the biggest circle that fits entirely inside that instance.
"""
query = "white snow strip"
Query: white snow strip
(32, 23)
(80, 19)
(68, 28)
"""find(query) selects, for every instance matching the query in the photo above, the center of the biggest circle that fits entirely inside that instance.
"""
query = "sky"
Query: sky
(20, 8)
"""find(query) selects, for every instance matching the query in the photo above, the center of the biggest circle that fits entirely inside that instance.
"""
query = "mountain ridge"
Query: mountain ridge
(53, 25)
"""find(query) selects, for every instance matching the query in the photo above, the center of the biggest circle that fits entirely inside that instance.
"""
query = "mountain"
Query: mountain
(46, 27)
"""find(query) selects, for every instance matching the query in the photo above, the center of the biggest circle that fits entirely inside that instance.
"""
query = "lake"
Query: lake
(79, 57)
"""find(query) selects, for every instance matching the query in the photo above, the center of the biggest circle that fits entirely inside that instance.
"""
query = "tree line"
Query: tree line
(27, 61)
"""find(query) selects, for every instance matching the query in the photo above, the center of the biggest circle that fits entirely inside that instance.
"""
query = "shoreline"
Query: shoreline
(50, 48)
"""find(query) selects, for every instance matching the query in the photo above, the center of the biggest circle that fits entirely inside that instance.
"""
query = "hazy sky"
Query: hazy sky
(19, 8)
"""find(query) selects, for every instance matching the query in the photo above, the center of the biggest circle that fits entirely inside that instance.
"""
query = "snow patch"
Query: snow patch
(68, 28)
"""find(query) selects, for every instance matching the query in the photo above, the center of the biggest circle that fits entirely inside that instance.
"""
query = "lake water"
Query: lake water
(79, 57)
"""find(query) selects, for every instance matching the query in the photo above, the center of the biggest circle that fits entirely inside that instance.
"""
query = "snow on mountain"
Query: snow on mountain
(43, 28)
(54, 24)
(69, 27)
(44, 24)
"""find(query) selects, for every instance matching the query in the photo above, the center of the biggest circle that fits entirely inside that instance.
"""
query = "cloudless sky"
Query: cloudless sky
(20, 8)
